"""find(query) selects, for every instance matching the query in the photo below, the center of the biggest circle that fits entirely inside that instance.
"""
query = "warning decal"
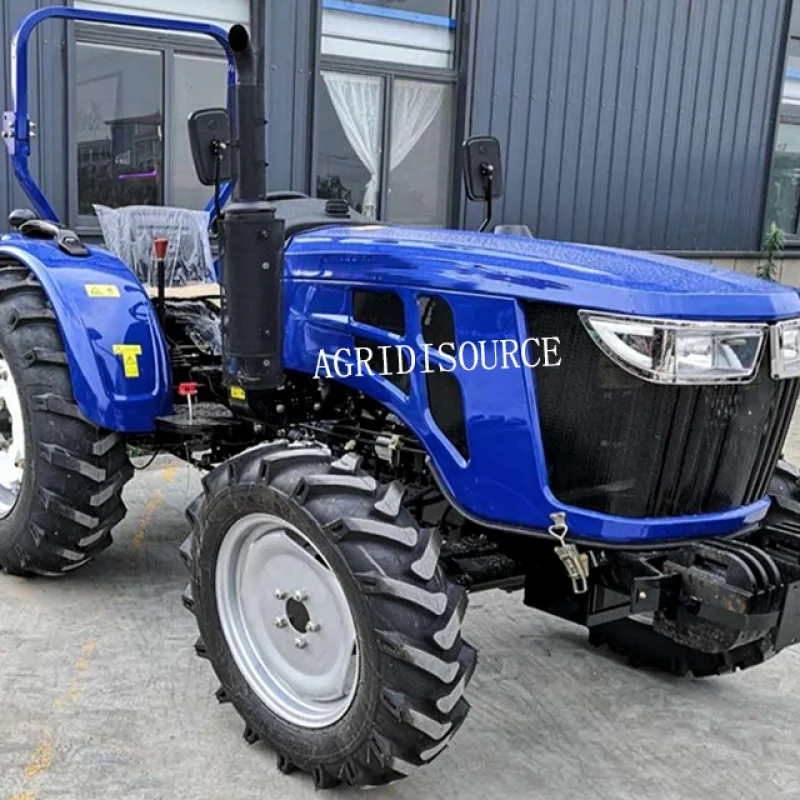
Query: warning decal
(130, 358)
(102, 290)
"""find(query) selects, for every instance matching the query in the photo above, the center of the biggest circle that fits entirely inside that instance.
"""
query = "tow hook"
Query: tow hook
(575, 563)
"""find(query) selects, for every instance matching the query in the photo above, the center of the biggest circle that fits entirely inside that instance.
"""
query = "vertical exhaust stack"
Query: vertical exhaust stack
(252, 240)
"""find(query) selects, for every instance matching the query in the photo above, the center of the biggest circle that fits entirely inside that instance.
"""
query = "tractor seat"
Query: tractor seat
(129, 233)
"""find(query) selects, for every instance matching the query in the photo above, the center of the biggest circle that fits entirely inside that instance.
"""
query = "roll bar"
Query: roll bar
(18, 129)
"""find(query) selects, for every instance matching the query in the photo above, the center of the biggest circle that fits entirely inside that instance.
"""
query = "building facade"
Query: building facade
(670, 125)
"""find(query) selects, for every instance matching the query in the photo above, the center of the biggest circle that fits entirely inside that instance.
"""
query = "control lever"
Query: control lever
(160, 246)
(66, 239)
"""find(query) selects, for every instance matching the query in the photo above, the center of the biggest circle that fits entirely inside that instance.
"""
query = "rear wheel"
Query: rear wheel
(61, 477)
(326, 616)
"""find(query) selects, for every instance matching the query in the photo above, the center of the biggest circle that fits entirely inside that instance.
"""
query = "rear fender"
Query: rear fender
(115, 348)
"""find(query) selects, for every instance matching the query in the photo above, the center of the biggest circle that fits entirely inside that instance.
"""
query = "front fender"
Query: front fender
(115, 348)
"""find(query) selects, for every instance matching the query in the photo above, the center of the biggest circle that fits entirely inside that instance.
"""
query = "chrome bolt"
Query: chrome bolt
(280, 594)
(300, 642)
(301, 595)
(280, 622)
(642, 594)
(312, 627)
(280, 408)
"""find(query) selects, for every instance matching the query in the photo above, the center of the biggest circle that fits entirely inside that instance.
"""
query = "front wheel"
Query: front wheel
(325, 615)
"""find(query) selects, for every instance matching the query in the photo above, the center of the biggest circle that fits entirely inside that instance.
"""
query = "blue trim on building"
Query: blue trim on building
(390, 13)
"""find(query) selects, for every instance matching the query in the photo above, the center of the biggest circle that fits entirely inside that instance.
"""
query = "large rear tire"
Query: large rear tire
(281, 515)
(61, 488)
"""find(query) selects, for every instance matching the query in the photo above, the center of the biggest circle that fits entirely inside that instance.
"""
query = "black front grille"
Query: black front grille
(620, 445)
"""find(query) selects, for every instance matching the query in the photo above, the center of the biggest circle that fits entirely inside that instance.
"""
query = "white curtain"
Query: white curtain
(357, 100)
(416, 105)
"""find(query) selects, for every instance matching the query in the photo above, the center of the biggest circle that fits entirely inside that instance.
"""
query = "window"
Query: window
(200, 82)
(385, 113)
(350, 133)
(441, 8)
(133, 94)
(420, 153)
(410, 32)
(119, 126)
(783, 199)
(397, 169)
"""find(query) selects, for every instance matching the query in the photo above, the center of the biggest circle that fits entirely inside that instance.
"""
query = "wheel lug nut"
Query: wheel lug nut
(301, 596)
(280, 594)
(312, 627)
(281, 622)
(300, 642)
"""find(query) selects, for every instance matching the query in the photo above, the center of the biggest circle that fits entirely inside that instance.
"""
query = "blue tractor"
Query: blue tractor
(389, 420)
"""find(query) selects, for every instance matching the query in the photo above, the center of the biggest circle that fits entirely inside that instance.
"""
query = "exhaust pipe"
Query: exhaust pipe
(250, 157)
(252, 241)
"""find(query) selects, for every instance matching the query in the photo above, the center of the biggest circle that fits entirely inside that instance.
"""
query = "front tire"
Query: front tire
(405, 701)
(58, 508)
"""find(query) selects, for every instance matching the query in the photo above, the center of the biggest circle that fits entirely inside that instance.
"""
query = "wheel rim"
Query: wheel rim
(12, 441)
(287, 622)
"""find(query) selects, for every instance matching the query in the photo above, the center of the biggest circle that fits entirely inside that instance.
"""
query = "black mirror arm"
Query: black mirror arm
(219, 153)
(487, 170)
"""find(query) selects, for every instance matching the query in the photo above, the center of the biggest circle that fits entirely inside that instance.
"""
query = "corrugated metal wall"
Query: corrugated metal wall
(639, 123)
(47, 106)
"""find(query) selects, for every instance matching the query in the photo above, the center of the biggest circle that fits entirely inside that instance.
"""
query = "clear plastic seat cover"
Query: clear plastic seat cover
(129, 233)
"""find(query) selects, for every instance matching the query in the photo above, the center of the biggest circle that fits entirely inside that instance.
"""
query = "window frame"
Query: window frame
(785, 117)
(780, 114)
(390, 72)
(168, 46)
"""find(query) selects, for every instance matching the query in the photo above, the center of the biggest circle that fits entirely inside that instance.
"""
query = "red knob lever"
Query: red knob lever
(188, 389)
(161, 246)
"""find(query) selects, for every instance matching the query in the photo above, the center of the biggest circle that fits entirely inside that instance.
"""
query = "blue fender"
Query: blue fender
(115, 348)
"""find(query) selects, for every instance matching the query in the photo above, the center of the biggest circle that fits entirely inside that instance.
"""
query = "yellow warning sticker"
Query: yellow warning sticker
(102, 290)
(130, 358)
(237, 393)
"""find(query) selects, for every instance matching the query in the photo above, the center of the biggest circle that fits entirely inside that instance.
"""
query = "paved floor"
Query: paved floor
(101, 696)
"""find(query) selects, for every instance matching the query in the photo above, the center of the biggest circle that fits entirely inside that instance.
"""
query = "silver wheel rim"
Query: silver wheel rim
(12, 441)
(286, 621)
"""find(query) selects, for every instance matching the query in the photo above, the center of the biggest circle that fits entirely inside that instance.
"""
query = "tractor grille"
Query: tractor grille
(619, 445)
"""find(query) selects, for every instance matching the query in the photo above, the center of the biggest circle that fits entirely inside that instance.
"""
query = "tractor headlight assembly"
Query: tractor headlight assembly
(677, 352)
(785, 349)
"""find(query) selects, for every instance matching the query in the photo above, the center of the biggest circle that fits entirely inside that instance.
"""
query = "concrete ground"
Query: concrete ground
(101, 696)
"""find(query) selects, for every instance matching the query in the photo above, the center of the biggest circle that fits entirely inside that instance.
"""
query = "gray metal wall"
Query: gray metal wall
(47, 106)
(639, 123)
(643, 123)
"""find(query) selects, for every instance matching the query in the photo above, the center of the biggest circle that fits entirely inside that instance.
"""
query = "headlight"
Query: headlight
(672, 351)
(786, 349)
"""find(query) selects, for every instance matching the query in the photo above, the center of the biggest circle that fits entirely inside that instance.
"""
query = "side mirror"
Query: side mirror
(209, 137)
(483, 168)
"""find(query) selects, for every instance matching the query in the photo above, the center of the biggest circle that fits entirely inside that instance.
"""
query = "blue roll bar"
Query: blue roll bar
(18, 129)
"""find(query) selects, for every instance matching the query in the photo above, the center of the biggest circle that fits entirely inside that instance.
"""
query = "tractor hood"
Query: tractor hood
(623, 281)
